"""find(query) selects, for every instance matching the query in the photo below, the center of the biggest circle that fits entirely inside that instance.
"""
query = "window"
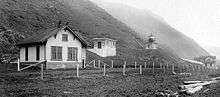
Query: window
(99, 45)
(56, 53)
(26, 53)
(64, 37)
(37, 53)
(72, 53)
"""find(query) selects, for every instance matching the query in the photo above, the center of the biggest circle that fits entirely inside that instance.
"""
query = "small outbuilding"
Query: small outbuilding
(104, 47)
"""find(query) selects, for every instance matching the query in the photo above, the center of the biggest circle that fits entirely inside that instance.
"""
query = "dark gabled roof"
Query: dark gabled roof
(47, 33)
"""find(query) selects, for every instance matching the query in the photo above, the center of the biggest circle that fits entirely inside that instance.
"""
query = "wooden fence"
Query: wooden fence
(138, 67)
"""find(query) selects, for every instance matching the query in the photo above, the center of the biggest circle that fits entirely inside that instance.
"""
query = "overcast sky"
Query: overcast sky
(198, 19)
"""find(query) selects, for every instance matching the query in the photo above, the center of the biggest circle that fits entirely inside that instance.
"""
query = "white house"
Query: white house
(61, 47)
(104, 47)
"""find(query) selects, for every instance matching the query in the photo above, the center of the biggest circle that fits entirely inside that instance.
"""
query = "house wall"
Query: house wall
(95, 49)
(31, 54)
(84, 53)
(22, 54)
(108, 49)
(57, 41)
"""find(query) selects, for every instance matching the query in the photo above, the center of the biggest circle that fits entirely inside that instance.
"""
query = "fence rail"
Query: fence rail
(136, 68)
(39, 63)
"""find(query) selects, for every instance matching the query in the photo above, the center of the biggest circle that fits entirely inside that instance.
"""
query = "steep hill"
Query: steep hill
(29, 16)
(145, 22)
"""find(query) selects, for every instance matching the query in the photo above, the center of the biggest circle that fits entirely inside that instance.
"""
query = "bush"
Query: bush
(8, 40)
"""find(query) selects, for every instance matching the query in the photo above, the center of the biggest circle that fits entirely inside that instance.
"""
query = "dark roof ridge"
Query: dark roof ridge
(47, 33)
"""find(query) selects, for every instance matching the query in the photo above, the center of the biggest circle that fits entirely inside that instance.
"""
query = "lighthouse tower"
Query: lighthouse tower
(151, 43)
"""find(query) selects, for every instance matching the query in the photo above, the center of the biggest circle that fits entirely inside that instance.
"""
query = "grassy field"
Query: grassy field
(92, 83)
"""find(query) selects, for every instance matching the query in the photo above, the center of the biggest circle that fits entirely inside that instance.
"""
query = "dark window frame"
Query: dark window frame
(72, 54)
(65, 37)
(56, 53)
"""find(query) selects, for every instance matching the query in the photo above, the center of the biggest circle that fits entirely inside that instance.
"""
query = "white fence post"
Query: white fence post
(173, 68)
(99, 63)
(153, 66)
(135, 64)
(18, 64)
(193, 69)
(84, 64)
(140, 69)
(94, 63)
(112, 64)
(124, 67)
(42, 71)
(104, 70)
(161, 66)
(164, 68)
(77, 70)
(145, 65)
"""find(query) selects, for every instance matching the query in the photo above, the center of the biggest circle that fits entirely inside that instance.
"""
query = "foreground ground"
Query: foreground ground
(92, 83)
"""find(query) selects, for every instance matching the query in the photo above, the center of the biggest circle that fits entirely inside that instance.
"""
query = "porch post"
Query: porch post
(45, 59)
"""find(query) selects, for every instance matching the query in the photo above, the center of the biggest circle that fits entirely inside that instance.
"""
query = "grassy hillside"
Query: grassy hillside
(29, 16)
(145, 22)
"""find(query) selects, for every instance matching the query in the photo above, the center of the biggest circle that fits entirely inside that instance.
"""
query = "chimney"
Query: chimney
(59, 24)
